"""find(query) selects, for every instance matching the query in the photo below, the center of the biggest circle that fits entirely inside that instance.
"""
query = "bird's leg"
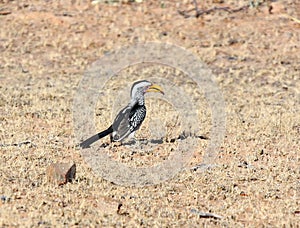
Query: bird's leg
(137, 143)
(114, 143)
(132, 139)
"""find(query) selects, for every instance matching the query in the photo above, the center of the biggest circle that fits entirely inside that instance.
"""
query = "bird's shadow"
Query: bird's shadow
(153, 141)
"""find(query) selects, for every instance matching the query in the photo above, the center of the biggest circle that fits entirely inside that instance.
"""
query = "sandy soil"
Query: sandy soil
(254, 54)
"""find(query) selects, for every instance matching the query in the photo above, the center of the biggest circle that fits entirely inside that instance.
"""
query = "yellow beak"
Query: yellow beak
(155, 88)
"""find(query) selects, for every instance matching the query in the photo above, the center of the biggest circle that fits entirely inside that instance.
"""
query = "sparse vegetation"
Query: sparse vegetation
(254, 53)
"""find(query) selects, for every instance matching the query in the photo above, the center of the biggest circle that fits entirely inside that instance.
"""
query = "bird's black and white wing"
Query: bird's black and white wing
(121, 125)
(127, 121)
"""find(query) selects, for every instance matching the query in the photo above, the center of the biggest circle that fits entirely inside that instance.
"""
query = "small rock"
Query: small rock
(61, 173)
(277, 8)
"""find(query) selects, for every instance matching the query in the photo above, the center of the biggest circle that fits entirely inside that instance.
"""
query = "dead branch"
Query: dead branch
(205, 214)
(185, 13)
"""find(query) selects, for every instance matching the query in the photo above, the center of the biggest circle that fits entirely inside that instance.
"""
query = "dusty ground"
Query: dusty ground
(254, 54)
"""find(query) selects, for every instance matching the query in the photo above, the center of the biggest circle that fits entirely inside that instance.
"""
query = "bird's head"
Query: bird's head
(139, 88)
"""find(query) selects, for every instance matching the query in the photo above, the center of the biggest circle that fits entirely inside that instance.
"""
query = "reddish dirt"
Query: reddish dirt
(254, 54)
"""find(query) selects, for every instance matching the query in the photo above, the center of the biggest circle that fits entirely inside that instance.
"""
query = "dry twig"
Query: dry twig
(205, 214)
(199, 12)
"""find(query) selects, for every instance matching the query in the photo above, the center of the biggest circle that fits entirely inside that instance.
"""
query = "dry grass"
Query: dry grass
(45, 47)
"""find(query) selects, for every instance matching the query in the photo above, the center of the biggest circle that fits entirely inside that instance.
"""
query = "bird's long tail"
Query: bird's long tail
(86, 143)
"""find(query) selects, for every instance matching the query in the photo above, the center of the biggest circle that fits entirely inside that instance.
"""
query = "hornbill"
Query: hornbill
(130, 118)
